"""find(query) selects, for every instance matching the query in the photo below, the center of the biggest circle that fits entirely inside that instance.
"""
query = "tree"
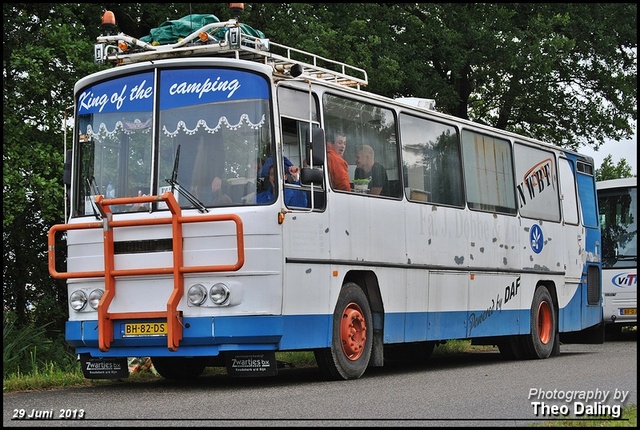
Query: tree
(607, 169)
(42, 56)
(545, 70)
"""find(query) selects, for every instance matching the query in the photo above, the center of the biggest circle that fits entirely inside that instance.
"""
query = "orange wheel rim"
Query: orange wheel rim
(545, 325)
(353, 332)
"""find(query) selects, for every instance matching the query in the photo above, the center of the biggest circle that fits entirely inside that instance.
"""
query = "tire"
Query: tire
(543, 338)
(351, 336)
(179, 368)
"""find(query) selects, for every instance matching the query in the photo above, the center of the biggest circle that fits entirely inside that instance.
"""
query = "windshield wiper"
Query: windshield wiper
(93, 192)
(175, 185)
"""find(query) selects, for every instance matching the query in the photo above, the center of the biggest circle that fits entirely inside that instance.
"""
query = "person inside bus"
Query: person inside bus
(220, 198)
(368, 168)
(254, 182)
(292, 197)
(338, 166)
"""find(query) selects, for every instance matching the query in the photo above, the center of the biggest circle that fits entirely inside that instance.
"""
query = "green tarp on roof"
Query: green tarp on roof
(172, 31)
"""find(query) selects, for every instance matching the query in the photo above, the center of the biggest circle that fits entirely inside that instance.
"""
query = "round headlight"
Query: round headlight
(94, 298)
(78, 300)
(197, 294)
(219, 294)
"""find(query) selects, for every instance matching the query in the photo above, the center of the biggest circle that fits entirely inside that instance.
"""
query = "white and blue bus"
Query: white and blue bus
(478, 233)
(618, 207)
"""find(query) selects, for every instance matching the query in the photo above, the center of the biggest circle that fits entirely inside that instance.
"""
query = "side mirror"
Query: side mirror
(310, 176)
(66, 175)
(315, 146)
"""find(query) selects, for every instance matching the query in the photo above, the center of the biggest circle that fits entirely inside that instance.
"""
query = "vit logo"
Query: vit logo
(625, 280)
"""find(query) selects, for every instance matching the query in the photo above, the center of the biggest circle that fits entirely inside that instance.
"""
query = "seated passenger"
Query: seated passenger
(368, 168)
(292, 197)
(220, 198)
(338, 166)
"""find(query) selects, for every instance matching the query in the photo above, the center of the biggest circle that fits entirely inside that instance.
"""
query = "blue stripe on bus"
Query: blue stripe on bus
(248, 333)
(299, 332)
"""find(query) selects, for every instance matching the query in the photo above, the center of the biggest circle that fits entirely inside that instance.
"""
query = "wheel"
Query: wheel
(179, 368)
(351, 336)
(415, 352)
(542, 339)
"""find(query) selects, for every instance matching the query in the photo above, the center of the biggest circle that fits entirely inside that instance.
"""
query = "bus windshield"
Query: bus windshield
(619, 223)
(220, 132)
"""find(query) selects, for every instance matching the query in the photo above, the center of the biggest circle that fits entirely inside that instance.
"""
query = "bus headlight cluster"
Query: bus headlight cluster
(78, 299)
(219, 294)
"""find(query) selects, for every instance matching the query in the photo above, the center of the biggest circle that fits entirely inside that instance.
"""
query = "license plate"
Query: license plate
(144, 329)
(629, 311)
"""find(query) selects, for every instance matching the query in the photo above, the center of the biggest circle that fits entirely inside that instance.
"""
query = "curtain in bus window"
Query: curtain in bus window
(488, 173)
(537, 183)
(212, 118)
(431, 161)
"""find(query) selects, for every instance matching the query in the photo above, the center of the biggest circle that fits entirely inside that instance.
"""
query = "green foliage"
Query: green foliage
(608, 170)
(16, 344)
(27, 349)
(297, 359)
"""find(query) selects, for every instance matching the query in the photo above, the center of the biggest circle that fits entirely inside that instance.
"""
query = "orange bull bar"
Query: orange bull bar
(173, 316)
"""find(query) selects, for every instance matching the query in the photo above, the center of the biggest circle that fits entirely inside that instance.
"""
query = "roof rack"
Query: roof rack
(286, 62)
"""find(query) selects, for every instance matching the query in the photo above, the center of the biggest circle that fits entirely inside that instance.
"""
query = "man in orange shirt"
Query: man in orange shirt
(338, 166)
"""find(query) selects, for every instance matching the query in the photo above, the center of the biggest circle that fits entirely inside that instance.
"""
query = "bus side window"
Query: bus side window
(489, 176)
(296, 139)
(432, 168)
(366, 126)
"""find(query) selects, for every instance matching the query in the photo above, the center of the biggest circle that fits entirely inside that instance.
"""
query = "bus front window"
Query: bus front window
(114, 143)
(115, 158)
(223, 135)
(219, 118)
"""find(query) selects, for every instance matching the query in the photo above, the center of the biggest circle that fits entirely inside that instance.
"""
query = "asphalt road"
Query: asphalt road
(468, 389)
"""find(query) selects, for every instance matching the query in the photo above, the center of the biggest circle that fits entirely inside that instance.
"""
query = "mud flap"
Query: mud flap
(262, 363)
(104, 368)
